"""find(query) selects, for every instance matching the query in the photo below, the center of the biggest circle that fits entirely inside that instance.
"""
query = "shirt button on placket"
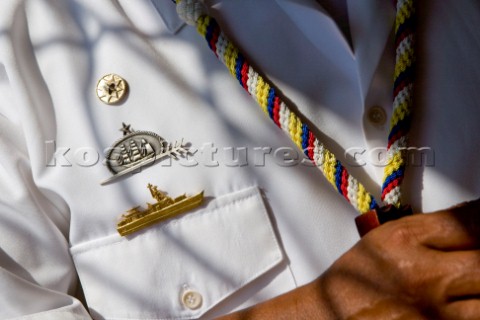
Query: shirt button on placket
(377, 116)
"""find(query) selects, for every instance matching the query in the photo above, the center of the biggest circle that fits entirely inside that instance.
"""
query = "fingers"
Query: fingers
(462, 292)
(457, 228)
(430, 262)
(464, 286)
(468, 309)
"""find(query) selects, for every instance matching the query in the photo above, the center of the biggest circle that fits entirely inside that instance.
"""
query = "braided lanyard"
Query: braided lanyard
(265, 95)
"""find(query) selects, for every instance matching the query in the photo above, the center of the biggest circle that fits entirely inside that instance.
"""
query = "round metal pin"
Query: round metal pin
(112, 89)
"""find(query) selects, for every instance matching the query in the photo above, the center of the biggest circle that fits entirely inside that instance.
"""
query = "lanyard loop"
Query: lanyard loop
(264, 93)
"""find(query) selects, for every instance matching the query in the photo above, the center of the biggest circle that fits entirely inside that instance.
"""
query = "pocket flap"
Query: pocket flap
(182, 268)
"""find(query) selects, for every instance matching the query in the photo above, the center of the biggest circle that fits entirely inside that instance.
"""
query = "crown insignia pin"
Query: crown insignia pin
(137, 149)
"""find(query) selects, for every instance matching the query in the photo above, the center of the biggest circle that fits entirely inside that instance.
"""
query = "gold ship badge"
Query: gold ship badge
(165, 208)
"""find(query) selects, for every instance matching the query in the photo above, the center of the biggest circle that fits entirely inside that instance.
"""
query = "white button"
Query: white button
(192, 299)
(377, 115)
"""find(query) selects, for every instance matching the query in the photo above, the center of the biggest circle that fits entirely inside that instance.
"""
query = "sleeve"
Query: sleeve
(36, 271)
(37, 276)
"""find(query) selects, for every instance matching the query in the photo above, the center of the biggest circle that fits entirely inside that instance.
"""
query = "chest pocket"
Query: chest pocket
(182, 268)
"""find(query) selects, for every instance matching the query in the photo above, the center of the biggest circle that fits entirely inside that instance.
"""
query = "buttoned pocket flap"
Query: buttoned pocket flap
(182, 268)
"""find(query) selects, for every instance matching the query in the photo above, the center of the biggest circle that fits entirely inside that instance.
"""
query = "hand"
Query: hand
(425, 266)
(419, 267)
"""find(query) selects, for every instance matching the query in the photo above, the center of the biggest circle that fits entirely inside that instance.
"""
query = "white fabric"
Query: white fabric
(281, 225)
(205, 251)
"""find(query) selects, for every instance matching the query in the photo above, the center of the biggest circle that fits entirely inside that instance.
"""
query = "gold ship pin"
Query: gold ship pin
(165, 208)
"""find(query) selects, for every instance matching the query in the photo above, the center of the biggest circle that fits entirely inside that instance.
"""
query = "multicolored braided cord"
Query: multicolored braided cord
(264, 93)
(403, 85)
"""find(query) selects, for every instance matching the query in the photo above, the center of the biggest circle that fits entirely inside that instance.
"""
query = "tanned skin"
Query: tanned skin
(425, 266)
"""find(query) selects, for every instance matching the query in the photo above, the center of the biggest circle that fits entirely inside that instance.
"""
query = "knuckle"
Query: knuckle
(398, 247)
(405, 232)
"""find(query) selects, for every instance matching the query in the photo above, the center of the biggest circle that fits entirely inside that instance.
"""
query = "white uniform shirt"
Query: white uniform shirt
(267, 226)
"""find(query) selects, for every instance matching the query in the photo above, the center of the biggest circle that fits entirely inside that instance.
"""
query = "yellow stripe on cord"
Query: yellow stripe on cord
(292, 125)
(262, 93)
(402, 110)
(394, 163)
(202, 24)
(404, 61)
(363, 199)
(295, 129)
(231, 54)
(298, 135)
(404, 13)
(329, 167)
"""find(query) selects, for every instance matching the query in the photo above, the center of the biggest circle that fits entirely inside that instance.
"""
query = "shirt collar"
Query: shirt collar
(167, 11)
(371, 24)
(153, 17)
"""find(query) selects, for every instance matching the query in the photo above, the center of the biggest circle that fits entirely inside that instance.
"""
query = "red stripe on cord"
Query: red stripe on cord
(311, 146)
(276, 111)
(400, 87)
(397, 136)
(391, 186)
(344, 185)
(213, 41)
(244, 73)
(407, 32)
